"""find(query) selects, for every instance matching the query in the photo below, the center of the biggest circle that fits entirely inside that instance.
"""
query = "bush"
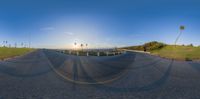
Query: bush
(188, 59)
(154, 45)
(141, 48)
(191, 45)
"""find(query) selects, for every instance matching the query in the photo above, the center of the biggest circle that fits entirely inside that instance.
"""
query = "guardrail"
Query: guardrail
(91, 53)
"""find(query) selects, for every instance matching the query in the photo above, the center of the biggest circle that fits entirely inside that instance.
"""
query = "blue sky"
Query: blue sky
(99, 23)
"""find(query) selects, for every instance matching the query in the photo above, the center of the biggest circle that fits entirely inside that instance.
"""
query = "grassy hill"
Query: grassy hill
(169, 51)
(178, 52)
(12, 52)
(154, 45)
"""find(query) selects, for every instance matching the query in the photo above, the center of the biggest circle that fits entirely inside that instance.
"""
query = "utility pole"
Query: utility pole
(181, 30)
(82, 47)
(29, 40)
(15, 45)
(3, 43)
(75, 45)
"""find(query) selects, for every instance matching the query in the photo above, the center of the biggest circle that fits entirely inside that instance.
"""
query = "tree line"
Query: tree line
(15, 45)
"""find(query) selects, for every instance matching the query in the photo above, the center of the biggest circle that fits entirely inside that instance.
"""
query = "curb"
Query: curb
(136, 51)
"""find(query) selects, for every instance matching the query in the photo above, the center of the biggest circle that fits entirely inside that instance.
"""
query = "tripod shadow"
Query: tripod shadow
(156, 84)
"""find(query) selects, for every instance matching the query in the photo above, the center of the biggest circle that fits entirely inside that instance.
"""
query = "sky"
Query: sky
(98, 23)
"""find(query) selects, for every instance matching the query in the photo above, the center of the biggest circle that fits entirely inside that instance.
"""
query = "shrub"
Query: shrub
(191, 45)
(154, 45)
(188, 59)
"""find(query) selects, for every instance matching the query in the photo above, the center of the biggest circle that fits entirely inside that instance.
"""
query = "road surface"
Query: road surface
(47, 74)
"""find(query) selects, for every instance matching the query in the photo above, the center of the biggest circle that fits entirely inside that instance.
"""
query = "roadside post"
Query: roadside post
(179, 35)
(77, 53)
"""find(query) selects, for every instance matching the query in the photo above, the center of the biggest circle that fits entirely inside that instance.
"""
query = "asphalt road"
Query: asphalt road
(46, 74)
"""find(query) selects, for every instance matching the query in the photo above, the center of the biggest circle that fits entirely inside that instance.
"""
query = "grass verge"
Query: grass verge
(186, 53)
(12, 52)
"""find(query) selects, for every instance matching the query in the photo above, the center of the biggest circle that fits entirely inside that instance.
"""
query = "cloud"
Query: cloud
(108, 39)
(69, 33)
(47, 28)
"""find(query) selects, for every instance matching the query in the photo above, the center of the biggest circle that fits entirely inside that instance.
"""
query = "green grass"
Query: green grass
(12, 52)
(179, 52)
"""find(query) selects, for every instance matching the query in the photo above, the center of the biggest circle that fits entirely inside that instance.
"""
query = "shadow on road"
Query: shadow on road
(195, 65)
(33, 67)
(151, 86)
(111, 70)
(12, 72)
(95, 71)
